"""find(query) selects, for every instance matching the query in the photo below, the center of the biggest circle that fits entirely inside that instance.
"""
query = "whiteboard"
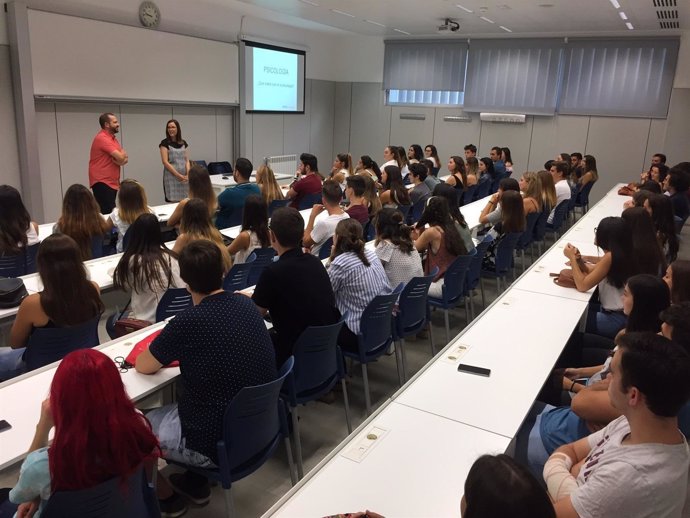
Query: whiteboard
(81, 58)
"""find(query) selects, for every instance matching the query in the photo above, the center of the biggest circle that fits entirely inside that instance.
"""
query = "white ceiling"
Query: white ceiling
(522, 17)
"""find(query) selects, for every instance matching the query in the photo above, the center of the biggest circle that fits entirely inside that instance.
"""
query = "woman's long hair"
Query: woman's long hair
(68, 297)
(200, 187)
(14, 220)
(548, 191)
(591, 167)
(472, 166)
(650, 297)
(394, 183)
(178, 137)
(460, 168)
(434, 153)
(534, 188)
(646, 247)
(370, 163)
(145, 264)
(371, 195)
(266, 180)
(451, 196)
(489, 165)
(389, 225)
(197, 224)
(512, 212)
(615, 236)
(81, 218)
(437, 214)
(350, 238)
(255, 218)
(346, 160)
(680, 281)
(98, 432)
(664, 223)
(131, 200)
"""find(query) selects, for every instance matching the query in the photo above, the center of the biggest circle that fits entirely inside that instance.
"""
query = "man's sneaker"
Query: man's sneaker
(173, 506)
(200, 494)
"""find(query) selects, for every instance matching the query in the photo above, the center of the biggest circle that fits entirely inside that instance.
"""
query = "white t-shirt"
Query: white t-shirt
(144, 304)
(254, 243)
(121, 226)
(563, 193)
(323, 229)
(631, 481)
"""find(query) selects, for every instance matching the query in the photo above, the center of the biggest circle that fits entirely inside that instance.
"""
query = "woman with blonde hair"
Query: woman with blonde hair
(266, 180)
(530, 186)
(199, 187)
(370, 194)
(131, 203)
(81, 219)
(472, 170)
(195, 224)
(548, 191)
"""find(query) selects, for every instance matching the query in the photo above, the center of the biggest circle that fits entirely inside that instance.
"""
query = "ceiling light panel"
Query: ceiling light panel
(622, 15)
(486, 19)
(401, 31)
(337, 11)
(615, 4)
(505, 28)
(464, 8)
(629, 26)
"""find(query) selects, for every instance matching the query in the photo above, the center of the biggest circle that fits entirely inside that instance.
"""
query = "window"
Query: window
(425, 97)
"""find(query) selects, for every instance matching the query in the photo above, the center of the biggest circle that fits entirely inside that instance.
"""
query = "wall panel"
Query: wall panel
(296, 135)
(405, 131)
(517, 137)
(450, 138)
(553, 135)
(370, 121)
(343, 107)
(49, 158)
(322, 122)
(9, 165)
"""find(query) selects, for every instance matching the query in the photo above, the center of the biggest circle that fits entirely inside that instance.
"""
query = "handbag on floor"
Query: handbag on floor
(12, 292)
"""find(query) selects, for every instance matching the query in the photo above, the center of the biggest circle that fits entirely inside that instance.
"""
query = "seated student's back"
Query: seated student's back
(17, 231)
(81, 219)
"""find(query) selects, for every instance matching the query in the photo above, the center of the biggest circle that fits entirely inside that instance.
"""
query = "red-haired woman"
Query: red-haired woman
(99, 434)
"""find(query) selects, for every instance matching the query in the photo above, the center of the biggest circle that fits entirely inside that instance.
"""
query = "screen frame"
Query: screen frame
(267, 46)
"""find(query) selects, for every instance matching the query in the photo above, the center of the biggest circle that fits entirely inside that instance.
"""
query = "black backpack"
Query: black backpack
(12, 292)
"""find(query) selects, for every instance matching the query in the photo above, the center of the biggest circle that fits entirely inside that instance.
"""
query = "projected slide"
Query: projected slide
(274, 79)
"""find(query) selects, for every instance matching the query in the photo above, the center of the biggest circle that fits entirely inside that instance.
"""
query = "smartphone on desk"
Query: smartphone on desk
(471, 369)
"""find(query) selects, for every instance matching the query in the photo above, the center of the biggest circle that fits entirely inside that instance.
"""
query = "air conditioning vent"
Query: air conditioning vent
(667, 15)
(669, 25)
(510, 118)
(665, 3)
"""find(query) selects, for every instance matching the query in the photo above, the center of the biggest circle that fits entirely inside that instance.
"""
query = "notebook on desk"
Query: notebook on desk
(141, 346)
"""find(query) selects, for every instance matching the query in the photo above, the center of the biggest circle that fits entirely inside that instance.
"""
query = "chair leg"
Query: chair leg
(398, 351)
(229, 504)
(431, 338)
(298, 442)
(471, 297)
(346, 402)
(445, 315)
(403, 361)
(481, 286)
(367, 396)
(467, 311)
(291, 462)
(498, 287)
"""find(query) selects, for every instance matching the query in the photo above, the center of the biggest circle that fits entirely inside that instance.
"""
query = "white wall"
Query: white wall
(9, 165)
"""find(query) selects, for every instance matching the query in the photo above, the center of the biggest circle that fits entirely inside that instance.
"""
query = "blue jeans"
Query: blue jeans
(11, 363)
(605, 323)
(165, 422)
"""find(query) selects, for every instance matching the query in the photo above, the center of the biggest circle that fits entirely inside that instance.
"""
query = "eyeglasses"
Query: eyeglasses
(122, 364)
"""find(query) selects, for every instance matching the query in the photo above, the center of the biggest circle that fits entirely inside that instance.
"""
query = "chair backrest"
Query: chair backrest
(412, 304)
(97, 246)
(235, 218)
(50, 344)
(405, 210)
(582, 198)
(468, 194)
(454, 279)
(202, 163)
(19, 264)
(173, 301)
(325, 250)
(678, 223)
(540, 225)
(264, 257)
(528, 235)
(375, 331)
(559, 215)
(475, 269)
(483, 188)
(504, 252)
(106, 500)
(309, 200)
(253, 426)
(370, 231)
(276, 204)
(219, 168)
(237, 277)
(417, 209)
(126, 238)
(318, 363)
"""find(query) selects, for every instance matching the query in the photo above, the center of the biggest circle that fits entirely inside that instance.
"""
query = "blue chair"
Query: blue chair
(582, 197)
(107, 500)
(319, 365)
(678, 224)
(473, 275)
(237, 277)
(453, 290)
(370, 231)
(253, 426)
(558, 219)
(483, 188)
(50, 344)
(19, 264)
(469, 193)
(375, 335)
(417, 210)
(202, 163)
(412, 316)
(223, 168)
(276, 204)
(540, 228)
(264, 257)
(309, 200)
(527, 236)
(325, 250)
(497, 180)
(405, 210)
(504, 261)
(173, 301)
(125, 239)
(235, 218)
(97, 247)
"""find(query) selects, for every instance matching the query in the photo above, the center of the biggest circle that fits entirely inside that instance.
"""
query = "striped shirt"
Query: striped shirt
(355, 285)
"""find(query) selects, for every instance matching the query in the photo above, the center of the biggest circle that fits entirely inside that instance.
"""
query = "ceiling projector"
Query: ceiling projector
(449, 25)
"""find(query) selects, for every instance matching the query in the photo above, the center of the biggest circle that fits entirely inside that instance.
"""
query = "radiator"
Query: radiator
(283, 164)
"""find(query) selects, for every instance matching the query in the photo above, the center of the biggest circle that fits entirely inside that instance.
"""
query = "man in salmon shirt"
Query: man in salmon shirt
(105, 160)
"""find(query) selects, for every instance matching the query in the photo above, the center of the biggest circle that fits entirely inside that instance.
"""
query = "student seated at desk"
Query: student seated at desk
(222, 345)
(354, 191)
(491, 213)
(394, 192)
(81, 219)
(646, 248)
(131, 203)
(661, 209)
(548, 191)
(199, 187)
(637, 466)
(441, 241)
(357, 276)
(68, 299)
(196, 224)
(17, 231)
(676, 185)
(295, 290)
(420, 191)
(512, 220)
(678, 280)
(371, 197)
(308, 182)
(318, 232)
(395, 248)
(147, 268)
(530, 187)
(231, 200)
(266, 180)
(99, 435)
(254, 233)
(451, 195)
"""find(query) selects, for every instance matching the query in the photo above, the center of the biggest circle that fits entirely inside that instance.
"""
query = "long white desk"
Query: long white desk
(221, 182)
(416, 468)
